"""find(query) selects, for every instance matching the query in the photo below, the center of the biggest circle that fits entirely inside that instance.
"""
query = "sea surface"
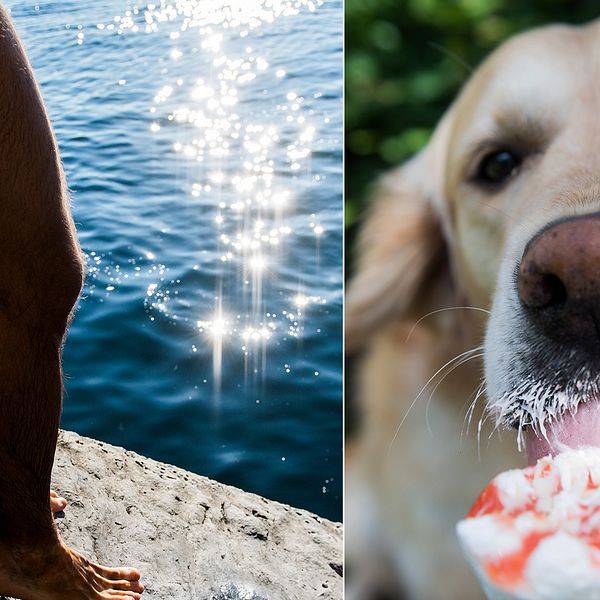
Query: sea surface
(202, 146)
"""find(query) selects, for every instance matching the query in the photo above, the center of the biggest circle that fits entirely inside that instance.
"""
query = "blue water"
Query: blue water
(203, 150)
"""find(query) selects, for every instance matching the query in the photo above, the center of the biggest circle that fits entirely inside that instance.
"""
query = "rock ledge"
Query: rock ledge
(192, 538)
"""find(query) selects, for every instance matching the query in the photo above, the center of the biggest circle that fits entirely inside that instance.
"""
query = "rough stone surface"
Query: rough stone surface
(192, 538)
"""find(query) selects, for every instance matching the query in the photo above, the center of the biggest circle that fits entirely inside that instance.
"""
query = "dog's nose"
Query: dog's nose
(559, 281)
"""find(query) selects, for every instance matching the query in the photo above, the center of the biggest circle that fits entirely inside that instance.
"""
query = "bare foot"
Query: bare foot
(59, 573)
(96, 582)
(57, 503)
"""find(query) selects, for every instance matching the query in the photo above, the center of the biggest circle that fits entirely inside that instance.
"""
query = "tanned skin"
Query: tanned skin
(41, 273)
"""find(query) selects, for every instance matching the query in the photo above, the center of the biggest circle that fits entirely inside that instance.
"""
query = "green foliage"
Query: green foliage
(406, 60)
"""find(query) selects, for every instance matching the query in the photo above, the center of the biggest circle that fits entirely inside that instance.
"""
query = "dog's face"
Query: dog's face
(543, 338)
(511, 180)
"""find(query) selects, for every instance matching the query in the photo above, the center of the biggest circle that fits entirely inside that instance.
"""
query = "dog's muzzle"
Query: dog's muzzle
(558, 284)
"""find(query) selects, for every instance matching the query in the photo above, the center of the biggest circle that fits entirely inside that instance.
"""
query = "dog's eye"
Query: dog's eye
(498, 166)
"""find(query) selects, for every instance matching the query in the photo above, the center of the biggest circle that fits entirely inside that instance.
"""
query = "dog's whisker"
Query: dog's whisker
(439, 310)
(495, 429)
(446, 374)
(480, 425)
(441, 380)
(432, 378)
(477, 392)
(520, 442)
(471, 406)
(482, 390)
(471, 400)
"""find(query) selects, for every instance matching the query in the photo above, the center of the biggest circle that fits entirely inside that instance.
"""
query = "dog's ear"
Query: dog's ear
(402, 250)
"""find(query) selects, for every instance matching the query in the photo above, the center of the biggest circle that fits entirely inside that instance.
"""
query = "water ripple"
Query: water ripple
(202, 145)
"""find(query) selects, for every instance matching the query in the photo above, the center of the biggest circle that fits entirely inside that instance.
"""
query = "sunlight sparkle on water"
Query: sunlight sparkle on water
(240, 165)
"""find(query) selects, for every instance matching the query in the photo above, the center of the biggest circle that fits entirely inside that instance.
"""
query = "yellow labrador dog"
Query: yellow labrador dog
(499, 217)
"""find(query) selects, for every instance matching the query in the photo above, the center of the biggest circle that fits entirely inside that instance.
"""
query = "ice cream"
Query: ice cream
(534, 533)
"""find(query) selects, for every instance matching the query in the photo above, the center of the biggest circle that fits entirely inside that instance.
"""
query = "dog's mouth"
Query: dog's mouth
(573, 429)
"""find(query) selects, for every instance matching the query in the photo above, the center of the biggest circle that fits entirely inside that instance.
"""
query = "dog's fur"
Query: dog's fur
(438, 238)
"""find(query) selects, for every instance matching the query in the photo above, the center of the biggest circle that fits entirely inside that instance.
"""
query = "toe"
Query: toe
(123, 585)
(122, 595)
(114, 574)
(122, 573)
(57, 503)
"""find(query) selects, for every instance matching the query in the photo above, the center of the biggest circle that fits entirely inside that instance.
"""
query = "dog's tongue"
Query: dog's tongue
(569, 431)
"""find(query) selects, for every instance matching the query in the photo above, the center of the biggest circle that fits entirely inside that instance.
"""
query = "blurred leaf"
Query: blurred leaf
(398, 148)
(361, 141)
